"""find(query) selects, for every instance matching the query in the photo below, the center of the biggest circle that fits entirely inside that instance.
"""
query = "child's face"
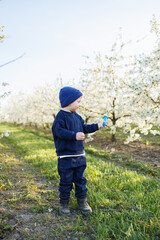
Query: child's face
(73, 107)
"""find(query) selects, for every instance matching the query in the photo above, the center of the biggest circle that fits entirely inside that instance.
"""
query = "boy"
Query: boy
(69, 133)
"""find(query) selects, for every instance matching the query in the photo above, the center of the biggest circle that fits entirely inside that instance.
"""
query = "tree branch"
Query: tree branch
(89, 110)
(152, 99)
(12, 60)
(127, 115)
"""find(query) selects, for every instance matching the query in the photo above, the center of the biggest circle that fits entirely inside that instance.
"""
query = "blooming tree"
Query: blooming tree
(1, 35)
(3, 84)
(146, 82)
(38, 108)
(106, 83)
(126, 88)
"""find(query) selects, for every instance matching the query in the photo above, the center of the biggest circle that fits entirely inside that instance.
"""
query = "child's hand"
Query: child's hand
(100, 125)
(80, 136)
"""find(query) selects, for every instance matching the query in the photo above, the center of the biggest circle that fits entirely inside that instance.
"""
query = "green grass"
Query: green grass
(128, 203)
(4, 227)
(125, 197)
(130, 162)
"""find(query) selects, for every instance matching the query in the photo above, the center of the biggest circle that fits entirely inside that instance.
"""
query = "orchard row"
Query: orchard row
(126, 88)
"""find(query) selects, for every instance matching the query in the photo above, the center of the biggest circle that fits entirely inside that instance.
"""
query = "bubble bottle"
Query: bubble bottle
(105, 118)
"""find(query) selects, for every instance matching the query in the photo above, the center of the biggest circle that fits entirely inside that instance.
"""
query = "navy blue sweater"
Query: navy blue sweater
(64, 129)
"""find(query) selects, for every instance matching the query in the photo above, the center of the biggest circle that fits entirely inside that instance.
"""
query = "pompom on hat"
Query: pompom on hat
(68, 95)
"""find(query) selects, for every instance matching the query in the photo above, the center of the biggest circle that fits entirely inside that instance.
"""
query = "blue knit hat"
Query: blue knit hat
(67, 95)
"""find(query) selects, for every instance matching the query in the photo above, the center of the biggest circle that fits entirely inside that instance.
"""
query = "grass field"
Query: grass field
(124, 194)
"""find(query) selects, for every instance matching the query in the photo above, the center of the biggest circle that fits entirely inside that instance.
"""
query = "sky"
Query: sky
(54, 36)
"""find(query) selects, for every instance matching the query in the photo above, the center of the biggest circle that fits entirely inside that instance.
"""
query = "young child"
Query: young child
(69, 133)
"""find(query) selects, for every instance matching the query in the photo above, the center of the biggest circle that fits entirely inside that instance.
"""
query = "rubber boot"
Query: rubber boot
(64, 207)
(84, 206)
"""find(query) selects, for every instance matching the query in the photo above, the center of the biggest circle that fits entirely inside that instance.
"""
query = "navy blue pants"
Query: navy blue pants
(71, 170)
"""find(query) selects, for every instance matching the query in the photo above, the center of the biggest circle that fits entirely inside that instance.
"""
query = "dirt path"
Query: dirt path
(29, 202)
(138, 150)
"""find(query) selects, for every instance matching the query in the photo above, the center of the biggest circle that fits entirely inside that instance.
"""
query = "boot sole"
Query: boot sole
(86, 213)
(64, 214)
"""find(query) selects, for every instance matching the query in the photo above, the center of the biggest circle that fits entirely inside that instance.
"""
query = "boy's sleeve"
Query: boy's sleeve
(89, 128)
(60, 131)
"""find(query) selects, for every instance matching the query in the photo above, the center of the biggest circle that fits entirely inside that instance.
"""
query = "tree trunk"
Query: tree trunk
(113, 137)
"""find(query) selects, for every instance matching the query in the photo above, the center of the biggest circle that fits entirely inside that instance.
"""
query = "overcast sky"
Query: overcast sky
(56, 34)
